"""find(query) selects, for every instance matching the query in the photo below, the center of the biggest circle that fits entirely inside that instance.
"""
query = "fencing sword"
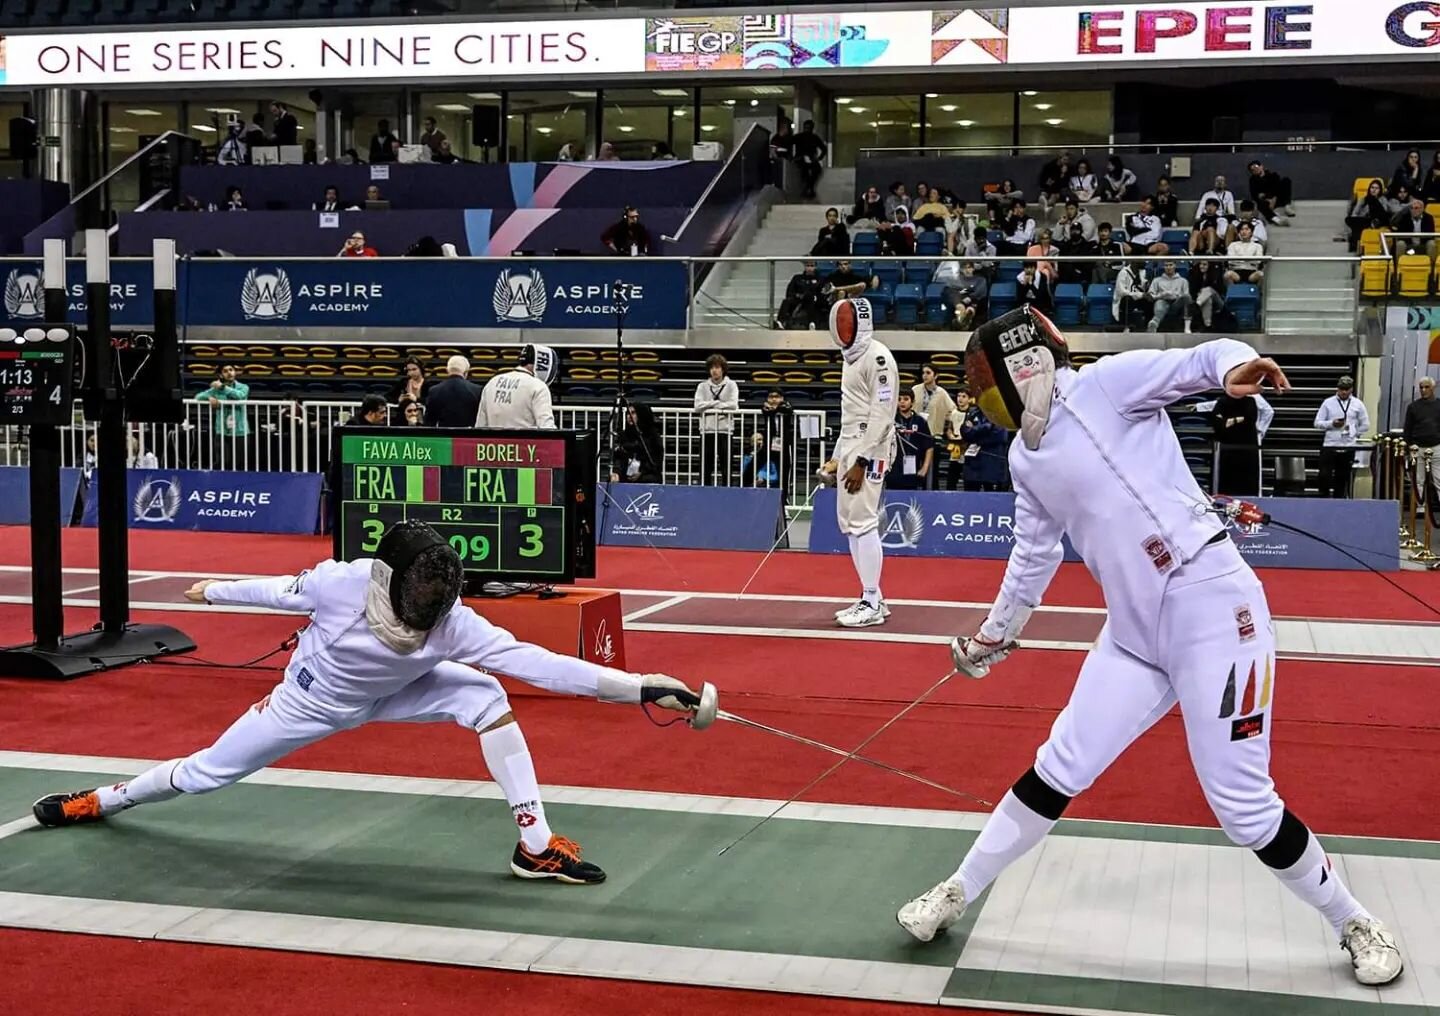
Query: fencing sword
(809, 502)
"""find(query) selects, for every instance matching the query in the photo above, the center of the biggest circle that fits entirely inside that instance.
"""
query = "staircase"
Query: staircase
(747, 297)
(1311, 298)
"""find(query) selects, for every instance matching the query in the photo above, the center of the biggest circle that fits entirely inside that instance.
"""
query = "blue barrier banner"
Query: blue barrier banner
(15, 505)
(702, 518)
(132, 293)
(219, 502)
(1366, 529)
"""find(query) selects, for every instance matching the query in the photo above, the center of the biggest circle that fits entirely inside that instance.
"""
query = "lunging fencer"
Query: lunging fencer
(388, 640)
(1188, 622)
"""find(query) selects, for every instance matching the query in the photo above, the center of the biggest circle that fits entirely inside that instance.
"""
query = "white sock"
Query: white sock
(1318, 884)
(149, 787)
(1009, 833)
(869, 558)
(508, 758)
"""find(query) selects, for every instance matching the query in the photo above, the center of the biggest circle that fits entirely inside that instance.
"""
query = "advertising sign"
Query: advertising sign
(703, 518)
(218, 501)
(15, 505)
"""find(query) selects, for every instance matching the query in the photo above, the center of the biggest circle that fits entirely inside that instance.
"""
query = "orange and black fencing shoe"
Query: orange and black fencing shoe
(560, 860)
(68, 809)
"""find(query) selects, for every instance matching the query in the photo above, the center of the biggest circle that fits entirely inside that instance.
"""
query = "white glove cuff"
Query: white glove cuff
(617, 686)
(1006, 621)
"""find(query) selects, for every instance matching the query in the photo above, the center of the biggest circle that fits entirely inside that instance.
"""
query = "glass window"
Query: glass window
(364, 125)
(637, 119)
(454, 115)
(971, 120)
(1064, 119)
(874, 121)
(543, 123)
(727, 113)
(10, 169)
(133, 123)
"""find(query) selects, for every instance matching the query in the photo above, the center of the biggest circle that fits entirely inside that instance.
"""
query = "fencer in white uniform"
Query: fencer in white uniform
(519, 399)
(1188, 621)
(389, 641)
(869, 382)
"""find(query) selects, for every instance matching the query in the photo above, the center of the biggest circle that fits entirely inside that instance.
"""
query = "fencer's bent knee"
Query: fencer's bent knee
(1035, 793)
(1249, 820)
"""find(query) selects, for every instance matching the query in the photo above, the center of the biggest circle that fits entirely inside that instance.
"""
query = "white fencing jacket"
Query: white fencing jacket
(869, 390)
(515, 400)
(1109, 473)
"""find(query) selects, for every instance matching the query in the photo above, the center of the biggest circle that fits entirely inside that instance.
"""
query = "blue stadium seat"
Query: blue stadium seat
(1244, 302)
(918, 273)
(1069, 296)
(909, 299)
(1120, 235)
(1006, 271)
(825, 268)
(937, 305)
(881, 301)
(1003, 298)
(889, 273)
(1099, 298)
(931, 241)
(1177, 239)
(863, 244)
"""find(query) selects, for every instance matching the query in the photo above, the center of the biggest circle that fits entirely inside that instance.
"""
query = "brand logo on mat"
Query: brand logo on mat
(158, 501)
(519, 296)
(265, 295)
(24, 294)
(604, 643)
(902, 525)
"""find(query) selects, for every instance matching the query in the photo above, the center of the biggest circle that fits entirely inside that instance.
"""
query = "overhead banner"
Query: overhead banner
(216, 501)
(698, 518)
(986, 37)
(376, 293)
(15, 505)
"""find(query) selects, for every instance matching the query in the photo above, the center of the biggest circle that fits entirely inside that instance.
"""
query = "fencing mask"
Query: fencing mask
(1010, 366)
(542, 361)
(417, 576)
(851, 327)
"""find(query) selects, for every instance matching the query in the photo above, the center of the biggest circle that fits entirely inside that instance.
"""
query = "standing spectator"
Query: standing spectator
(230, 423)
(413, 385)
(1107, 246)
(639, 452)
(1271, 193)
(286, 129)
(1408, 175)
(1167, 203)
(1210, 230)
(255, 135)
(1018, 230)
(1343, 418)
(432, 137)
(782, 142)
(1413, 220)
(1422, 431)
(1002, 198)
(1054, 181)
(969, 295)
(660, 152)
(954, 443)
(1076, 216)
(1244, 255)
(869, 210)
(833, 240)
(916, 448)
(1119, 183)
(455, 401)
(810, 153)
(1144, 229)
(934, 405)
(985, 449)
(1170, 293)
(1207, 290)
(1042, 250)
(234, 200)
(1431, 192)
(716, 398)
(382, 143)
(804, 305)
(1370, 212)
(1084, 187)
(1129, 295)
(1235, 426)
(769, 459)
(628, 237)
(1223, 196)
(356, 247)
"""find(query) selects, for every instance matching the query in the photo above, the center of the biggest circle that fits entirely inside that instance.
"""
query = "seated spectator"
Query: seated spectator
(1248, 214)
(1074, 245)
(834, 238)
(1243, 264)
(918, 197)
(234, 200)
(351, 158)
(412, 412)
(1167, 203)
(1041, 250)
(1076, 216)
(1415, 219)
(1370, 212)
(898, 237)
(607, 153)
(1119, 183)
(897, 198)
(1399, 201)
(969, 295)
(1208, 234)
(1018, 230)
(1084, 186)
(958, 230)
(1431, 193)
(444, 154)
(639, 454)
(869, 210)
(660, 152)
(1207, 290)
(804, 305)
(1169, 292)
(1130, 293)
(1107, 246)
(331, 201)
(373, 412)
(382, 143)
(845, 281)
(1054, 181)
(930, 212)
(432, 137)
(1033, 287)
(1223, 196)
(1271, 193)
(1000, 200)
(1408, 175)
(982, 246)
(1144, 229)
(372, 193)
(628, 237)
(355, 247)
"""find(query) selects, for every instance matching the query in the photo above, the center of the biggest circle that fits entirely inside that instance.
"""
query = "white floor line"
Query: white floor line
(16, 826)
(665, 604)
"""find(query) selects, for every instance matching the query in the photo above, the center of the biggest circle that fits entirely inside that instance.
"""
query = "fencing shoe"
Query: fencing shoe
(884, 608)
(926, 916)
(560, 860)
(68, 809)
(862, 615)
(1372, 949)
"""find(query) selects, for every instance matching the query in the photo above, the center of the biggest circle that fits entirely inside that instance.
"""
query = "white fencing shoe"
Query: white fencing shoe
(862, 615)
(884, 608)
(926, 916)
(1373, 952)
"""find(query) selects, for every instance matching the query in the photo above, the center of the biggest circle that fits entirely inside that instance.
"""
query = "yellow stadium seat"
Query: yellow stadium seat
(609, 374)
(1371, 242)
(817, 359)
(385, 353)
(257, 370)
(798, 377)
(581, 374)
(1413, 271)
(355, 352)
(784, 358)
(945, 360)
(294, 352)
(831, 377)
(766, 377)
(290, 370)
(644, 374)
(1434, 209)
(1375, 278)
(908, 380)
(1361, 186)
(232, 352)
(645, 356)
(384, 370)
(584, 356)
(203, 352)
(946, 380)
(482, 373)
(319, 370)
(354, 370)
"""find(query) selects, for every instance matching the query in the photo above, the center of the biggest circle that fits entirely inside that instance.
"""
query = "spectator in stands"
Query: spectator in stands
(1119, 183)
(1054, 181)
(1344, 419)
(969, 295)
(412, 412)
(1144, 229)
(1208, 234)
(897, 198)
(782, 144)
(1409, 175)
(1084, 186)
(285, 129)
(869, 210)
(454, 402)
(660, 152)
(351, 158)
(255, 135)
(628, 237)
(1076, 216)
(1107, 246)
(414, 385)
(372, 193)
(607, 153)
(1018, 230)
(1130, 293)
(356, 247)
(954, 450)
(810, 152)
(234, 200)
(432, 137)
(373, 412)
(768, 464)
(1207, 290)
(1169, 292)
(1422, 431)
(899, 238)
(1074, 245)
(1248, 214)
(1415, 219)
(845, 281)
(1431, 193)
(446, 155)
(1002, 198)
(716, 399)
(382, 143)
(1033, 287)
(639, 454)
(804, 305)
(933, 403)
(982, 246)
(1243, 255)
(930, 212)
(834, 239)
(1271, 193)
(958, 229)
(986, 446)
(1042, 250)
(1223, 196)
(918, 197)
(1167, 203)
(331, 201)
(915, 448)
(1370, 212)
(1399, 202)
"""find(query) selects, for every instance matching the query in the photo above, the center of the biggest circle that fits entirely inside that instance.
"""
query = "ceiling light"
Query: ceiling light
(453, 107)
(583, 95)
(844, 101)
(887, 123)
(144, 112)
(874, 123)
(709, 127)
(932, 95)
(123, 130)
(857, 109)
(754, 102)
(768, 90)
(544, 130)
(1055, 121)
(625, 128)
(678, 93)
(914, 124)
(1043, 106)
(964, 123)
(729, 102)
(484, 95)
(204, 127)
(222, 109)
(1029, 95)
(949, 109)
(679, 112)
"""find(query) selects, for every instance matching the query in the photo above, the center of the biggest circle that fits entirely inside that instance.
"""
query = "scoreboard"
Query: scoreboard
(513, 504)
(37, 371)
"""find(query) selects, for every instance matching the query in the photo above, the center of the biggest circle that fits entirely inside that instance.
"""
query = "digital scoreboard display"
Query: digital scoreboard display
(514, 504)
(37, 371)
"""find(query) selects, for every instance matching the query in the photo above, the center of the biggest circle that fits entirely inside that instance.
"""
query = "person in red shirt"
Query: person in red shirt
(355, 247)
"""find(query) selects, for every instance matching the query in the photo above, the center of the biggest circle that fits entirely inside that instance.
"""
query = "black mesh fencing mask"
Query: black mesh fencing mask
(424, 574)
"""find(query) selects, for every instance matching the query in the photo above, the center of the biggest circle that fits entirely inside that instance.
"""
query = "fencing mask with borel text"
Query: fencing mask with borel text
(851, 327)
(542, 361)
(1010, 366)
(419, 573)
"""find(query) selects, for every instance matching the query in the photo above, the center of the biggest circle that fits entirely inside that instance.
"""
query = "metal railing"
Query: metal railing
(1297, 144)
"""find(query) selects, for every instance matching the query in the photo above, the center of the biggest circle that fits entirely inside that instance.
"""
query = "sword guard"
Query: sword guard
(705, 713)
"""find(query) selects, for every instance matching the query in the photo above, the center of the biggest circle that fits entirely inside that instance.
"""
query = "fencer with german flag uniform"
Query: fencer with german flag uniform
(1188, 622)
(868, 386)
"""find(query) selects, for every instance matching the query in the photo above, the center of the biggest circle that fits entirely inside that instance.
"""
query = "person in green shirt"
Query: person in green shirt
(229, 420)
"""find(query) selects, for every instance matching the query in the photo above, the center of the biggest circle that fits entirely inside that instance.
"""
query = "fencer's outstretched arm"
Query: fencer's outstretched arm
(1033, 560)
(296, 593)
(1145, 381)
